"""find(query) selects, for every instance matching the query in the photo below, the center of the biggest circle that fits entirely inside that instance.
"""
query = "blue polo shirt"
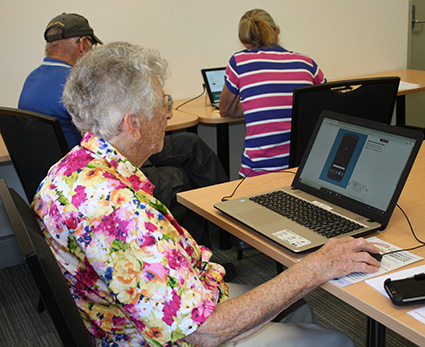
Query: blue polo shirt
(42, 93)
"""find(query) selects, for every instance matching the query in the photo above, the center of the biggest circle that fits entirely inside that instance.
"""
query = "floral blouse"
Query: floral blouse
(136, 275)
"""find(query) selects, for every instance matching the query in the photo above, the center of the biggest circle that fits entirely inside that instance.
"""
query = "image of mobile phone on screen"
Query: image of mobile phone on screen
(342, 157)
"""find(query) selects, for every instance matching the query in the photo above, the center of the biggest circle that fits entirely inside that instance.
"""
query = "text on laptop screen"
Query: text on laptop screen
(215, 80)
(348, 160)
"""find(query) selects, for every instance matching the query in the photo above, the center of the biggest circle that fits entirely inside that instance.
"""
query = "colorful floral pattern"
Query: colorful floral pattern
(137, 276)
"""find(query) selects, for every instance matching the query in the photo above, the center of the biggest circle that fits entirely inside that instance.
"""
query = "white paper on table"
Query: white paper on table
(378, 284)
(389, 262)
(418, 314)
(407, 86)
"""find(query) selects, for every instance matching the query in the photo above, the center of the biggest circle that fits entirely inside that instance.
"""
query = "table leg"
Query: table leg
(193, 129)
(375, 333)
(223, 146)
(401, 110)
(224, 239)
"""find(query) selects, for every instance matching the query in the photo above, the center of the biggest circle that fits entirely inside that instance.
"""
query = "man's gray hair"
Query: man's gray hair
(64, 47)
(109, 82)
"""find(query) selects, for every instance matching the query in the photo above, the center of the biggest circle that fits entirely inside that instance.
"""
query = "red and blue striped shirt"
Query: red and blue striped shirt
(265, 79)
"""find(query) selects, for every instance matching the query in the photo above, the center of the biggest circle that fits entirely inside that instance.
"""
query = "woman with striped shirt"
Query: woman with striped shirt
(259, 83)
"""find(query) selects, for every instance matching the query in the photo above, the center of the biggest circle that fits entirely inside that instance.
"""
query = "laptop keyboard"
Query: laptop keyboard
(309, 215)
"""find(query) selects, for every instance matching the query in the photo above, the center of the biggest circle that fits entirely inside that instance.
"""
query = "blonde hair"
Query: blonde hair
(257, 29)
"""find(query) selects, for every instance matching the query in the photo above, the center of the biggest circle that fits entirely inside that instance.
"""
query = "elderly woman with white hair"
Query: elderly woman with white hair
(136, 275)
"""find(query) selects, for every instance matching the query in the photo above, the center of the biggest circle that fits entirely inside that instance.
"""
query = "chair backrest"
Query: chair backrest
(45, 270)
(372, 98)
(34, 141)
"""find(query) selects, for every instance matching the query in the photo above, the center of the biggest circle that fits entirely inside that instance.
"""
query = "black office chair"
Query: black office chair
(372, 98)
(45, 270)
(34, 142)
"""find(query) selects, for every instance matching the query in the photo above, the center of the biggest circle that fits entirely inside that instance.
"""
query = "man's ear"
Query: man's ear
(133, 125)
(83, 45)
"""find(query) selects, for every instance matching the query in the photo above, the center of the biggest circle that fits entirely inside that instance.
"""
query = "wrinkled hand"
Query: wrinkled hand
(340, 257)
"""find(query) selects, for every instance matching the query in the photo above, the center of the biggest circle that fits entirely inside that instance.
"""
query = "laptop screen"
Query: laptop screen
(357, 161)
(214, 82)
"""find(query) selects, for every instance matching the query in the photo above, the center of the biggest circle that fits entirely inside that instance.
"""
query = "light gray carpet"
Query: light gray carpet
(20, 323)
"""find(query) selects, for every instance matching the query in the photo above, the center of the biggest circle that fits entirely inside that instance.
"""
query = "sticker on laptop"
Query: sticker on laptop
(291, 238)
(322, 205)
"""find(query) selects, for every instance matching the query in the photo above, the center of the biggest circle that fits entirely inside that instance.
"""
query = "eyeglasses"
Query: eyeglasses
(167, 103)
(90, 39)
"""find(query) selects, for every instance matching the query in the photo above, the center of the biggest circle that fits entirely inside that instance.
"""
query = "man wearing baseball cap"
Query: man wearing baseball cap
(68, 36)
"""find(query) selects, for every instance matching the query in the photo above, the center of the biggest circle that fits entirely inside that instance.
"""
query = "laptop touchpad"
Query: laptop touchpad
(260, 216)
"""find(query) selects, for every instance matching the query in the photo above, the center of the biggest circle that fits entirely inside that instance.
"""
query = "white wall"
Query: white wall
(345, 37)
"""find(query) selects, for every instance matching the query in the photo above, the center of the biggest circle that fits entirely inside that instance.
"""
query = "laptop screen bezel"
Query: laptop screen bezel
(207, 85)
(350, 204)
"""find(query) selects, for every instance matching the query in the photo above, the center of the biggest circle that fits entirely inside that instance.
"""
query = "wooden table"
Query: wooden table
(406, 75)
(182, 120)
(359, 295)
(210, 115)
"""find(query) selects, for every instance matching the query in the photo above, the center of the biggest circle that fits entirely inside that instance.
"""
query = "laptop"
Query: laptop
(352, 168)
(214, 82)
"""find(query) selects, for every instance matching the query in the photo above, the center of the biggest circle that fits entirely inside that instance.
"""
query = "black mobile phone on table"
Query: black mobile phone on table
(407, 291)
